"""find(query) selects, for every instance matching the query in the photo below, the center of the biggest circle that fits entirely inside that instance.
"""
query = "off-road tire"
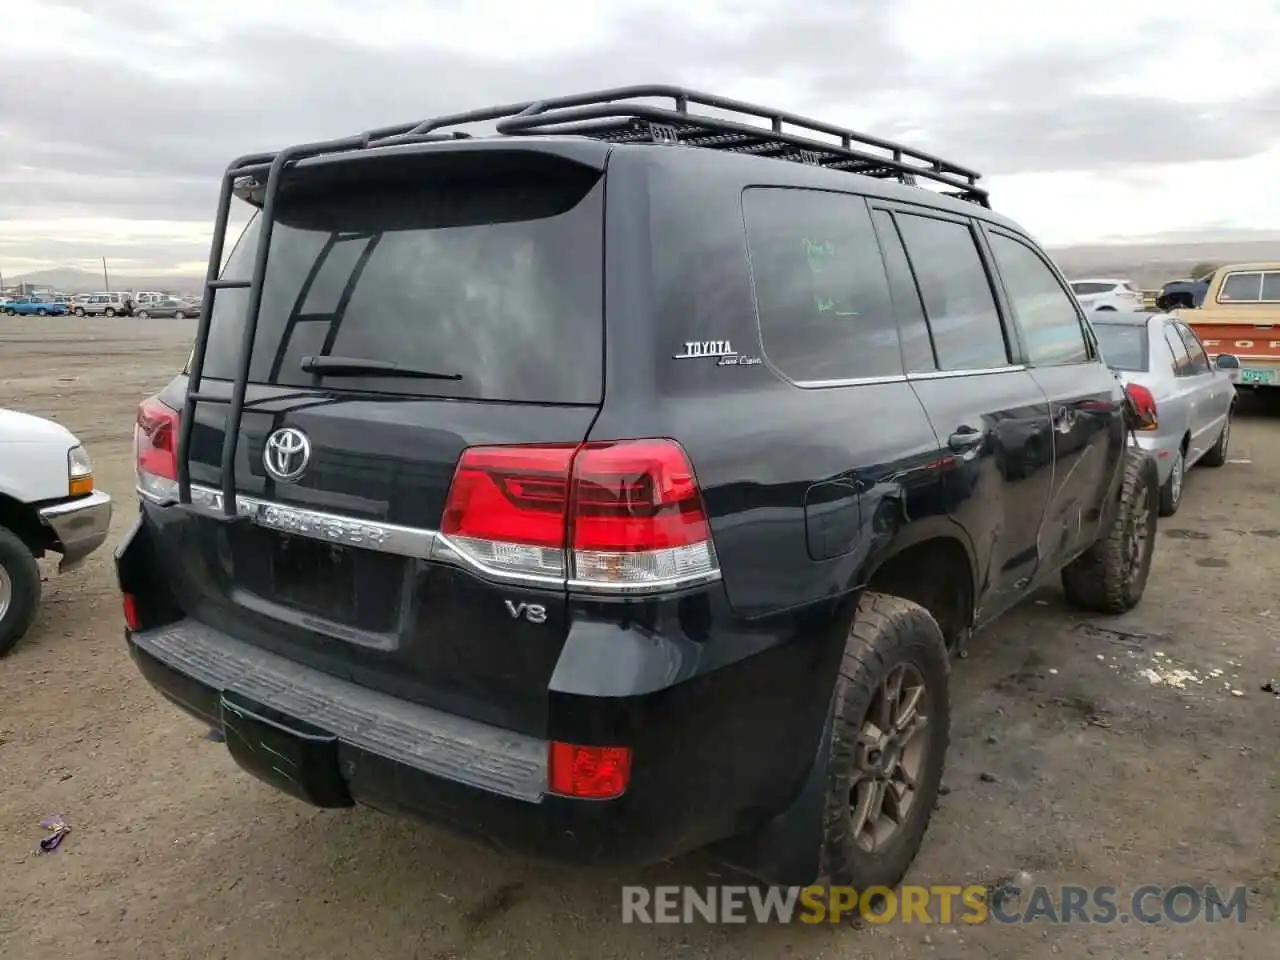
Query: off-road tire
(24, 589)
(1216, 455)
(886, 631)
(1099, 579)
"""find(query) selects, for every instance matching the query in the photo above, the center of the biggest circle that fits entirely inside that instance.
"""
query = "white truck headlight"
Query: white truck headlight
(79, 471)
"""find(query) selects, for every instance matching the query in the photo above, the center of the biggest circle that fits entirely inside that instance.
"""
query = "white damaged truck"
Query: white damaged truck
(48, 503)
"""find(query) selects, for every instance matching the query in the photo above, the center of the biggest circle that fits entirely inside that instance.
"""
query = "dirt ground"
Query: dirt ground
(1067, 764)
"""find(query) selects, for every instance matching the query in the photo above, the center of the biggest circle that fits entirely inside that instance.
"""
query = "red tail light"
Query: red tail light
(621, 514)
(130, 611)
(589, 773)
(1145, 405)
(155, 444)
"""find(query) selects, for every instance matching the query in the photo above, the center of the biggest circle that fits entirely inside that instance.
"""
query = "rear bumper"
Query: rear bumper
(80, 526)
(333, 743)
(724, 724)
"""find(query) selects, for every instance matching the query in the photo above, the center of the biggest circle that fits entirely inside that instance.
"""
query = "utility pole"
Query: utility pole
(105, 282)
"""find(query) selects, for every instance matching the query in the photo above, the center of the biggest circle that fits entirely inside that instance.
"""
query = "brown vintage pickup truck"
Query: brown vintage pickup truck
(1241, 316)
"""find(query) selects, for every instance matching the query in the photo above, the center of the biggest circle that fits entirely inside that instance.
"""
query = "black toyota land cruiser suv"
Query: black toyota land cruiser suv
(618, 483)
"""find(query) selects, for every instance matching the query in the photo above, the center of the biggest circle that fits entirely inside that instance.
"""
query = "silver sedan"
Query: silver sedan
(1194, 399)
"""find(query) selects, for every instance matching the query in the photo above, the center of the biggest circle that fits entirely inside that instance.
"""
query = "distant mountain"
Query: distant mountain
(1151, 265)
(1148, 264)
(86, 281)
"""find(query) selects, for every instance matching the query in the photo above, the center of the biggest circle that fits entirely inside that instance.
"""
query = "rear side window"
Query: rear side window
(1241, 288)
(913, 328)
(1042, 308)
(1181, 359)
(495, 280)
(1199, 359)
(820, 285)
(958, 301)
(1123, 346)
(1084, 288)
(1271, 287)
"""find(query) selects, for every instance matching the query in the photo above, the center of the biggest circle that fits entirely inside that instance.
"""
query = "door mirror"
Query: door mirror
(1227, 361)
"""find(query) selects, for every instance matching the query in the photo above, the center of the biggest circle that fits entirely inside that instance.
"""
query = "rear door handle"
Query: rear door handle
(965, 438)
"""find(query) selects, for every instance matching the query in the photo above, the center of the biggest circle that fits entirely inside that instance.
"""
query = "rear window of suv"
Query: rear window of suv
(1084, 288)
(497, 280)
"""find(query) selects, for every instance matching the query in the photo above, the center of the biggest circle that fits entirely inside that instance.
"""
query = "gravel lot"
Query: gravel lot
(1067, 763)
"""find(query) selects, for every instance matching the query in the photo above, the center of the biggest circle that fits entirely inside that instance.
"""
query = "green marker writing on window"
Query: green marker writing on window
(818, 251)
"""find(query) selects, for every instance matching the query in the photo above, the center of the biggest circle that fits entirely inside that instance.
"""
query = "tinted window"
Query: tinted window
(1241, 287)
(1043, 310)
(917, 346)
(1085, 287)
(1199, 359)
(498, 280)
(1271, 287)
(958, 301)
(1181, 360)
(821, 290)
(1123, 346)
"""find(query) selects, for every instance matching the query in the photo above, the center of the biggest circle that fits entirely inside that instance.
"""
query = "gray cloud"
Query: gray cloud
(1041, 113)
(88, 137)
(119, 141)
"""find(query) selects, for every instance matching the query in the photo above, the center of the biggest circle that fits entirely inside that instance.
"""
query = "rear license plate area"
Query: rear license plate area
(314, 576)
(1257, 376)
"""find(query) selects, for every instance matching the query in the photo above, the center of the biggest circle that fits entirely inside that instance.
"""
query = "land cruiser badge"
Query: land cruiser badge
(722, 350)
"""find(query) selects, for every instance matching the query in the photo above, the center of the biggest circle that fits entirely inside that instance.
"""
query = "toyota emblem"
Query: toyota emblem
(287, 453)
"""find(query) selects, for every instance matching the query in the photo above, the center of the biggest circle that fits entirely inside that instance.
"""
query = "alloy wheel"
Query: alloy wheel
(891, 757)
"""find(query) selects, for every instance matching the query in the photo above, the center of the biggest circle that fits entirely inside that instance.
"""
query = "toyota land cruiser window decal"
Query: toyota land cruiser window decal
(722, 350)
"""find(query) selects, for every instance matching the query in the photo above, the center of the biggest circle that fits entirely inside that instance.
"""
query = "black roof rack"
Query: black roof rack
(614, 116)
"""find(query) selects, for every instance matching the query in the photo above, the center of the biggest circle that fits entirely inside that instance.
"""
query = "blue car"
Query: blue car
(35, 306)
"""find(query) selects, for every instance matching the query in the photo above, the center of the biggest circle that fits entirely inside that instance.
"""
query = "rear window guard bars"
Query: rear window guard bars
(609, 115)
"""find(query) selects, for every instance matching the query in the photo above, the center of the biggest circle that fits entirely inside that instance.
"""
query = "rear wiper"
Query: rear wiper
(358, 367)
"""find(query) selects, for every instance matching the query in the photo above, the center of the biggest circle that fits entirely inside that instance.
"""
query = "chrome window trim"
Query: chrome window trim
(944, 374)
(411, 542)
(849, 382)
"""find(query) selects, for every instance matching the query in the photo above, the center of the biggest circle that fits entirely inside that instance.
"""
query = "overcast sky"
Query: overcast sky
(1093, 120)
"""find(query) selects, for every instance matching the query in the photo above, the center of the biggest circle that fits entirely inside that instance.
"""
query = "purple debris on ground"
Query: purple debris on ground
(58, 828)
(216, 736)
